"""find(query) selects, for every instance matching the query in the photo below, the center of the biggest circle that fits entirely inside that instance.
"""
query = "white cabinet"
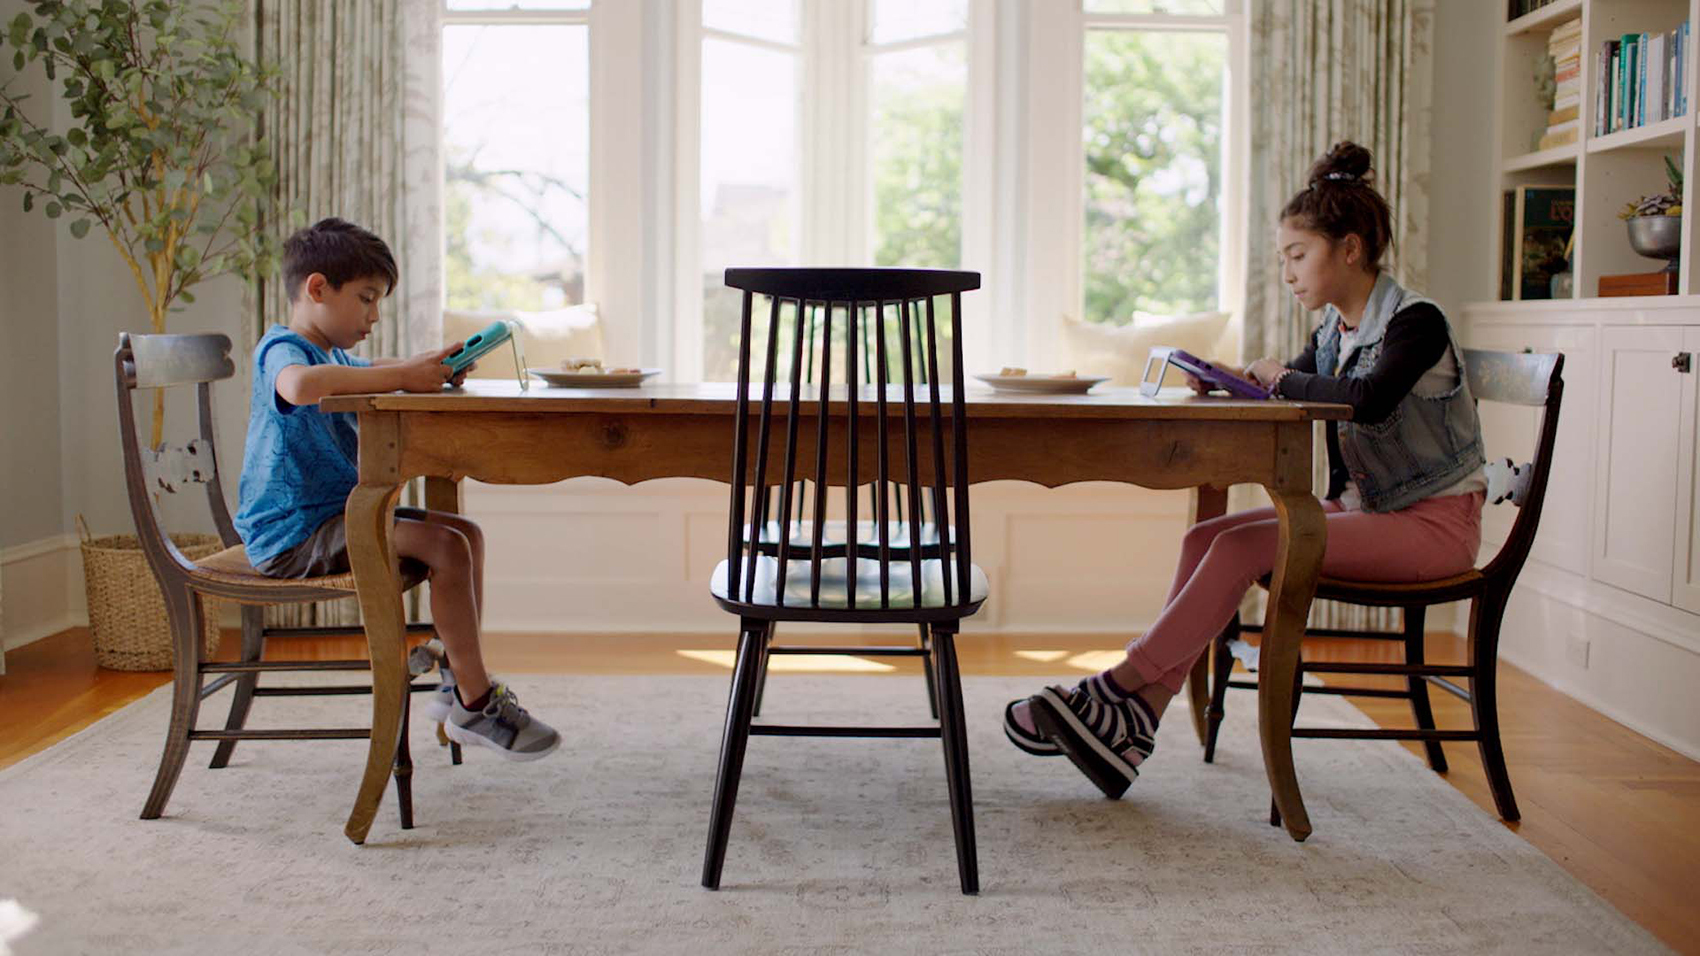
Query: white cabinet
(1685, 583)
(1641, 432)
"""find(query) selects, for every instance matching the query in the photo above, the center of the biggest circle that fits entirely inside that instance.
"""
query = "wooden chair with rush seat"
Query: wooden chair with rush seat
(1526, 379)
(165, 361)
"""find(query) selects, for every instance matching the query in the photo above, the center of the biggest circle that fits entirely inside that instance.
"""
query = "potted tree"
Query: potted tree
(162, 153)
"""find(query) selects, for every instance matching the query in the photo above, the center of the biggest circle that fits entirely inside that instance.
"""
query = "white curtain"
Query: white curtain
(1325, 71)
(355, 134)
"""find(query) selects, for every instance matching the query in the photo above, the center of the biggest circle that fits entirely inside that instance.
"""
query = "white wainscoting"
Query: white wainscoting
(591, 555)
(44, 590)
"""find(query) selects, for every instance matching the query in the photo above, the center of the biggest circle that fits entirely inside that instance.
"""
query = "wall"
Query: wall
(63, 302)
(1461, 161)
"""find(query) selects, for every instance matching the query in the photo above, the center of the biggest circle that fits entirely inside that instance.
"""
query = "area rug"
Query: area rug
(839, 846)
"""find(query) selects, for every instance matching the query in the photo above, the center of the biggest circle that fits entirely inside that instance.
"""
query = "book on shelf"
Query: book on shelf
(1561, 135)
(1640, 79)
(1536, 223)
(1564, 115)
(1518, 8)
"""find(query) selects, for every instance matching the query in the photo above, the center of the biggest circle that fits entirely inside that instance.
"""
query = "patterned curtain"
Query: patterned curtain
(355, 135)
(1328, 70)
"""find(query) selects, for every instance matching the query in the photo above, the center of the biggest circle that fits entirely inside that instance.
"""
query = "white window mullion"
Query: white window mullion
(687, 354)
(616, 281)
(1054, 199)
(982, 227)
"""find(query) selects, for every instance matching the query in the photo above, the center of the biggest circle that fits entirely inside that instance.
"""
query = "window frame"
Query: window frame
(1056, 160)
(836, 200)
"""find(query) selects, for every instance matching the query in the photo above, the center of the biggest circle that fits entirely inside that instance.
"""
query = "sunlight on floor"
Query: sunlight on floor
(798, 663)
(1093, 661)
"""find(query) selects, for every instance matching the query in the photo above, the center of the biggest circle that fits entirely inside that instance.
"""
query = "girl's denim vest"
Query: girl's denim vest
(1429, 442)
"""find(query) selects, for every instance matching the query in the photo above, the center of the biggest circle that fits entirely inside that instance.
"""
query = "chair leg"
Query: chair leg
(740, 706)
(1298, 690)
(927, 671)
(953, 731)
(183, 608)
(1420, 709)
(253, 647)
(404, 767)
(444, 741)
(1485, 616)
(1221, 669)
(761, 672)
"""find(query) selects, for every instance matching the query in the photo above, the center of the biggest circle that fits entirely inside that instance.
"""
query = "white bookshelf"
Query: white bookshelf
(1607, 171)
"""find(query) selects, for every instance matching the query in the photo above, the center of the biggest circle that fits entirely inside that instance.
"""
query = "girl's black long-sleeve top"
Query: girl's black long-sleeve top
(1415, 340)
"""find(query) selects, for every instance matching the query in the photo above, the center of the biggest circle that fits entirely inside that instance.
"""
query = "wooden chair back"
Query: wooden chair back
(1531, 379)
(168, 361)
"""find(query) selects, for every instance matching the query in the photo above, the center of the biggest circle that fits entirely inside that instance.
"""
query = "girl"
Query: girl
(1405, 482)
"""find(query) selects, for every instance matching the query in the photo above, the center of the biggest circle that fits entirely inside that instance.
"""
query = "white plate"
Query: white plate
(560, 379)
(1050, 384)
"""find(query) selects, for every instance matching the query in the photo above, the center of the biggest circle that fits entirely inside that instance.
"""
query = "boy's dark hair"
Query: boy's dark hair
(1341, 200)
(340, 251)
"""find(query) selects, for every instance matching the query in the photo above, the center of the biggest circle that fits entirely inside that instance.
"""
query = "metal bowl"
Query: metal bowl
(1657, 237)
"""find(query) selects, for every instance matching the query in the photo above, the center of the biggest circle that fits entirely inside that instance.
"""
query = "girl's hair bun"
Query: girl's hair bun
(1347, 163)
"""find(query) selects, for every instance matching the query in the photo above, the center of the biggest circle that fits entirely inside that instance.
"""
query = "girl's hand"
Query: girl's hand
(1198, 385)
(1264, 371)
(426, 372)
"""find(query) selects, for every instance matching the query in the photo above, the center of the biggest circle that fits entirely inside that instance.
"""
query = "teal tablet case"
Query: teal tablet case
(479, 345)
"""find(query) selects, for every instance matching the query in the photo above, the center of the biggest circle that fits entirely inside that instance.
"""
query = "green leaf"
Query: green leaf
(53, 209)
(19, 30)
(29, 201)
(80, 228)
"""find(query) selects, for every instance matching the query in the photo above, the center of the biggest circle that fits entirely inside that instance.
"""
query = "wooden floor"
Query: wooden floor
(1618, 811)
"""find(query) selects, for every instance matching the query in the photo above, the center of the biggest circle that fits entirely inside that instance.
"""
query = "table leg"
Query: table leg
(1207, 503)
(442, 494)
(1298, 561)
(370, 552)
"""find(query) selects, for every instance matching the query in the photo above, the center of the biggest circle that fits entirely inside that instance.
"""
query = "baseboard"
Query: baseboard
(41, 590)
(1592, 701)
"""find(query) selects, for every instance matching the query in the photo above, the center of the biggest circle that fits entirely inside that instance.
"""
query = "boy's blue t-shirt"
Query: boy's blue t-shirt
(299, 464)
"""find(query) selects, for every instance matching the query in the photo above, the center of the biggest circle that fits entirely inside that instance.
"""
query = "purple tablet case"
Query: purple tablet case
(1164, 356)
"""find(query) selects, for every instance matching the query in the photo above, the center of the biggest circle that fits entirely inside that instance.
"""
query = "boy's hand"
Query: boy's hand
(426, 372)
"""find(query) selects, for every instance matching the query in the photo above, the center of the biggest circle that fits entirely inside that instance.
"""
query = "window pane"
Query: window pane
(516, 132)
(915, 143)
(1153, 138)
(749, 182)
(767, 19)
(518, 4)
(892, 21)
(1195, 7)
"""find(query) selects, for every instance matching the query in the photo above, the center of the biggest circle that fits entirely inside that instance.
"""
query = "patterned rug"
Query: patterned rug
(839, 846)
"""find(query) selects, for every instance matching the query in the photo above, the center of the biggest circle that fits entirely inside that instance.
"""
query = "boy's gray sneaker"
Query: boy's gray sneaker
(503, 726)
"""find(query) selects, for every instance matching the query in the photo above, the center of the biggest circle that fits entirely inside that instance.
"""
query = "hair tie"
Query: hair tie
(1341, 176)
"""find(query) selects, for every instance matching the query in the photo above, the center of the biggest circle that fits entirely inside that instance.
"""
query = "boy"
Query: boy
(299, 467)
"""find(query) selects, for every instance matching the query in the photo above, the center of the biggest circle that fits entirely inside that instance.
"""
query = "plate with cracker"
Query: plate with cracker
(1013, 379)
(590, 373)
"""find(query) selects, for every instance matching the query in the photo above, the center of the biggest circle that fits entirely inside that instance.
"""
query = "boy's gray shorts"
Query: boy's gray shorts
(323, 552)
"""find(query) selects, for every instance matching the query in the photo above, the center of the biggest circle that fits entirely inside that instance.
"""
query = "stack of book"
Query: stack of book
(1642, 79)
(1565, 48)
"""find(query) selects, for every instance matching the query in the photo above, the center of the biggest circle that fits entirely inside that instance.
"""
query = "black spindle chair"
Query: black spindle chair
(819, 341)
(1509, 377)
(832, 427)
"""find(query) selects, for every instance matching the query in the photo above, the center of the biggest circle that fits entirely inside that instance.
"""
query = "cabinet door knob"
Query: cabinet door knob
(1683, 362)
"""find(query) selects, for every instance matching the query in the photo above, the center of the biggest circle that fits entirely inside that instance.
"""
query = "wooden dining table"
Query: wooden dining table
(494, 431)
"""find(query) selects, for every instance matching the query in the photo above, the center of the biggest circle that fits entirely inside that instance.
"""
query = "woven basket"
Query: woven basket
(127, 616)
